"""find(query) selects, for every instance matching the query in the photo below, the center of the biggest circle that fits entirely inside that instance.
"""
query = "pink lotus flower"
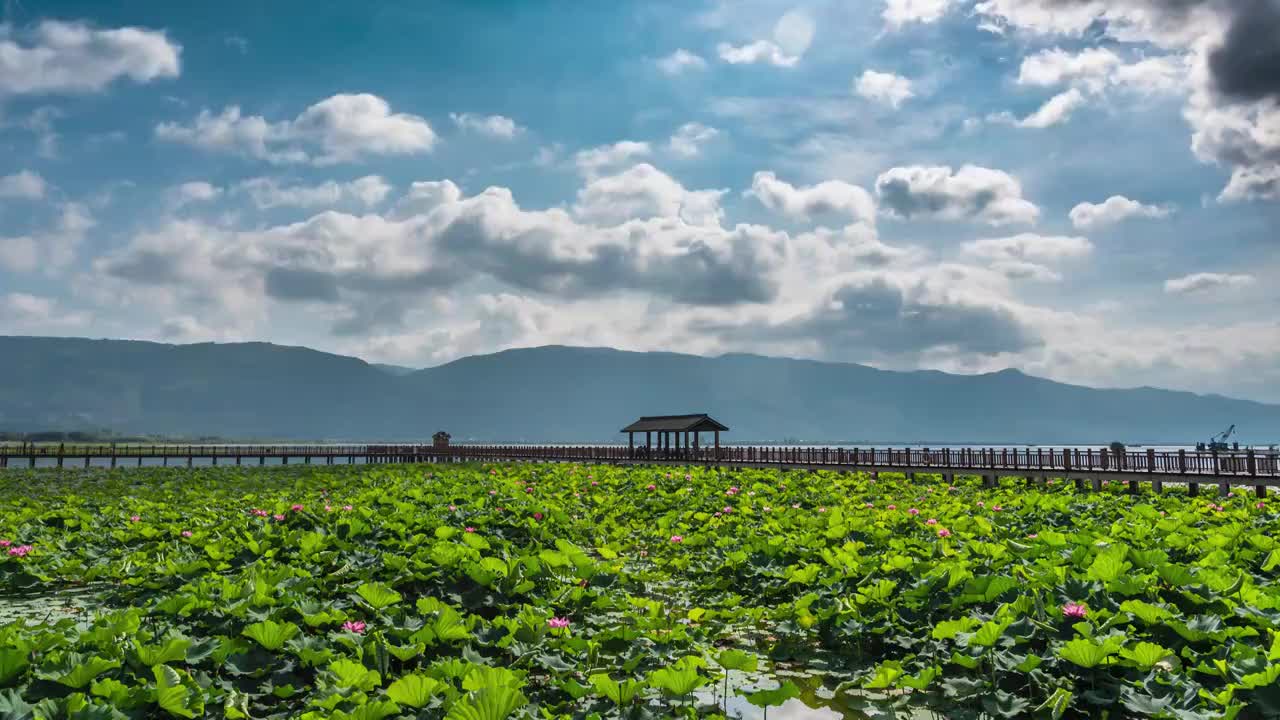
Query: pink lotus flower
(981, 504)
(767, 508)
(355, 626)
(1074, 611)
(493, 492)
(913, 511)
(893, 507)
(650, 486)
(493, 472)
(594, 483)
(328, 508)
(677, 538)
(528, 489)
(135, 518)
(943, 532)
(996, 508)
(822, 509)
(279, 517)
(718, 514)
(296, 507)
(1032, 536)
(668, 475)
(727, 510)
(20, 551)
(259, 513)
(952, 488)
(537, 516)
(577, 494)
(644, 553)
(795, 506)
(347, 508)
(556, 623)
(470, 529)
(931, 521)
(186, 533)
(869, 505)
(5, 543)
(1260, 505)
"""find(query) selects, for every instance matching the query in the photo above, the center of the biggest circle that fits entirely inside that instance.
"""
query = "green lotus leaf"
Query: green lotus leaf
(354, 675)
(414, 690)
(677, 680)
(13, 662)
(270, 634)
(621, 693)
(775, 697)
(1145, 655)
(177, 693)
(173, 650)
(84, 673)
(378, 595)
(1086, 653)
(737, 660)
(491, 703)
(1057, 704)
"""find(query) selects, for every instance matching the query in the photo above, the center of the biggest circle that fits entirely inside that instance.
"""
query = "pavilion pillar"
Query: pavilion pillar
(717, 445)
(695, 443)
(631, 445)
(648, 443)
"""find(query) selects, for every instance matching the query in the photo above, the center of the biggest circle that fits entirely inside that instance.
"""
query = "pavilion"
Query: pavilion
(684, 429)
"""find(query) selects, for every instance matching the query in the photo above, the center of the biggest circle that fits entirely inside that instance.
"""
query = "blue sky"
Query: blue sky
(1072, 188)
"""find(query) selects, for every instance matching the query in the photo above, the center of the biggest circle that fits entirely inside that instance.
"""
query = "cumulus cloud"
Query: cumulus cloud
(1056, 110)
(792, 35)
(605, 157)
(645, 192)
(1089, 216)
(266, 193)
(882, 87)
(23, 311)
(1231, 50)
(496, 126)
(901, 314)
(194, 192)
(897, 13)
(689, 139)
(1026, 256)
(831, 197)
(73, 57)
(635, 232)
(970, 193)
(1204, 283)
(339, 129)
(50, 250)
(25, 185)
(680, 61)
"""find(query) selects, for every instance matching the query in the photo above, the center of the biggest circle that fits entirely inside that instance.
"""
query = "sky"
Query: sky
(1085, 190)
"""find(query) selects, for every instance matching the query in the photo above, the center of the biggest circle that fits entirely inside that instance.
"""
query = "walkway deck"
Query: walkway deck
(1247, 468)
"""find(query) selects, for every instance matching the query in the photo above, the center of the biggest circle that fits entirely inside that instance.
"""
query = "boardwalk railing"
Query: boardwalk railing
(1025, 461)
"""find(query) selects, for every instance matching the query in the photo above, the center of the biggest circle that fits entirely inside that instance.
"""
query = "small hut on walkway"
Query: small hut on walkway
(684, 430)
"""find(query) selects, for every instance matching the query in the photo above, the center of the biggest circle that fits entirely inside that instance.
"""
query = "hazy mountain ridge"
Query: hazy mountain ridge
(568, 394)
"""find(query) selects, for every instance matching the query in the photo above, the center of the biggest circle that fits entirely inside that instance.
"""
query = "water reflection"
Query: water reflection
(815, 702)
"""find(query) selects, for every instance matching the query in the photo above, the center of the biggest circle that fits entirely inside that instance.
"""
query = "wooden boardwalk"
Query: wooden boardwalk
(1226, 469)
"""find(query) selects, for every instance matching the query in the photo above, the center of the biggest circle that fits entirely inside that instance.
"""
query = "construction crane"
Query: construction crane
(1219, 441)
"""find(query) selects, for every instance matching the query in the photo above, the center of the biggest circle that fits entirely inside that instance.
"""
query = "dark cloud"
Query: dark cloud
(300, 285)
(1247, 64)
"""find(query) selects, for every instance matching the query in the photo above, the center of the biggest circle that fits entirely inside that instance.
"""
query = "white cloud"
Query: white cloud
(195, 191)
(689, 138)
(792, 36)
(268, 193)
(901, 12)
(338, 129)
(1056, 110)
(1089, 216)
(806, 203)
(498, 126)
(1203, 283)
(644, 192)
(606, 157)
(1091, 68)
(977, 193)
(24, 185)
(1026, 255)
(50, 250)
(760, 51)
(680, 61)
(886, 88)
(23, 311)
(72, 57)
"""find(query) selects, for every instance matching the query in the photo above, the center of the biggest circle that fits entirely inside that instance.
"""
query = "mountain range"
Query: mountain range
(573, 394)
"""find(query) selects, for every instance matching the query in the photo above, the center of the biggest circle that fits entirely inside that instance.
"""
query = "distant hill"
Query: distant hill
(394, 369)
(573, 395)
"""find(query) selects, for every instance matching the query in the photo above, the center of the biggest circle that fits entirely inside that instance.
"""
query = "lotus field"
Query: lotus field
(476, 592)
